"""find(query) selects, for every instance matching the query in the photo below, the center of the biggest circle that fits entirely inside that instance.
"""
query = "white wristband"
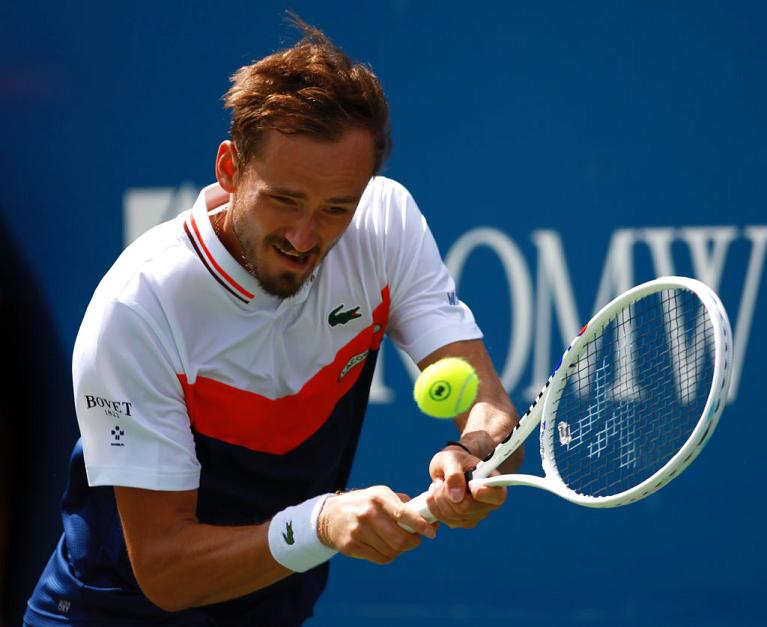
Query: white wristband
(293, 538)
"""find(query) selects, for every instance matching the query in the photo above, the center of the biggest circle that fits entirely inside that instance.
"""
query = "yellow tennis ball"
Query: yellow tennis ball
(446, 388)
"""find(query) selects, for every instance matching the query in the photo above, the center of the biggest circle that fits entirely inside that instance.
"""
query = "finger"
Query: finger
(397, 539)
(377, 529)
(389, 540)
(465, 514)
(389, 526)
(442, 506)
(371, 550)
(486, 494)
(433, 526)
(455, 481)
(407, 519)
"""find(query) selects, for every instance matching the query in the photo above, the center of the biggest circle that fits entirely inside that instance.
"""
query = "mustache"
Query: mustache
(285, 245)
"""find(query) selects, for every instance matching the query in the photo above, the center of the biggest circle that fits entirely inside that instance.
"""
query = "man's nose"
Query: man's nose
(303, 235)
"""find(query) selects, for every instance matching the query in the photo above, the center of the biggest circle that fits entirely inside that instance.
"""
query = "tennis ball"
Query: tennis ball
(446, 388)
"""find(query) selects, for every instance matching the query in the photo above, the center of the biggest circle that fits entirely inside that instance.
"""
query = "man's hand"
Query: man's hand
(449, 500)
(364, 524)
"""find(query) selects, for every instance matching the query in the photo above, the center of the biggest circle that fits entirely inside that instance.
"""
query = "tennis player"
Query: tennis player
(222, 370)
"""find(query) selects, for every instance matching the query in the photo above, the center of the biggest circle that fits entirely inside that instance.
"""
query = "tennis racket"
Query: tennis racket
(632, 402)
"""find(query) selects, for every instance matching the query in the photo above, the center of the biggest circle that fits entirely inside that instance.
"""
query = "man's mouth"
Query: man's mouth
(294, 257)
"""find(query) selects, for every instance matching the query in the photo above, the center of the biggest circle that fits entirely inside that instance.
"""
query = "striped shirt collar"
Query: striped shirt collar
(220, 263)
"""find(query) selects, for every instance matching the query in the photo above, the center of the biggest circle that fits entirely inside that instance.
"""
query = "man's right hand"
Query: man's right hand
(364, 524)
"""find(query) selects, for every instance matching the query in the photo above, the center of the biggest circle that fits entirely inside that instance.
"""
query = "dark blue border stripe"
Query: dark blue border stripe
(205, 263)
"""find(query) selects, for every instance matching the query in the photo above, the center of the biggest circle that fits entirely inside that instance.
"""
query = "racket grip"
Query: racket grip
(418, 504)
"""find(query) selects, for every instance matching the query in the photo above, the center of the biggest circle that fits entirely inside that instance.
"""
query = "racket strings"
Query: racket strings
(634, 395)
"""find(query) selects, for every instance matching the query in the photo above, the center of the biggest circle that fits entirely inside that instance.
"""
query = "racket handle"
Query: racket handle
(418, 504)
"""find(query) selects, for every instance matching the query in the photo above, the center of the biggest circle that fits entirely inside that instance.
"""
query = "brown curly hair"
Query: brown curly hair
(312, 88)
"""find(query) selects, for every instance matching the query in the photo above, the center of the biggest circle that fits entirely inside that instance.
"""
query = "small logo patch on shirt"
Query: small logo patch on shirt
(357, 359)
(337, 316)
(117, 433)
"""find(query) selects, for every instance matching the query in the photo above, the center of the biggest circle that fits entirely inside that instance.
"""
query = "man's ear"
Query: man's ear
(226, 166)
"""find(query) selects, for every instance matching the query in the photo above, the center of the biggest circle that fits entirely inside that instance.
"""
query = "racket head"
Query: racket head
(613, 442)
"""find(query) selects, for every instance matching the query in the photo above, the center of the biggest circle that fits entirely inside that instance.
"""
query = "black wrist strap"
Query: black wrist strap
(458, 444)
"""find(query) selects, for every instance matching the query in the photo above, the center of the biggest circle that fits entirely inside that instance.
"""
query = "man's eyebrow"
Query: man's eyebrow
(283, 191)
(344, 200)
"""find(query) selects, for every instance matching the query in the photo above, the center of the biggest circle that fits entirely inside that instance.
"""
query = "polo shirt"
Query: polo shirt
(187, 375)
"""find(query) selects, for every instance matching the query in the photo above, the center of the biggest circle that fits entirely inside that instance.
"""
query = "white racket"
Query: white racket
(632, 402)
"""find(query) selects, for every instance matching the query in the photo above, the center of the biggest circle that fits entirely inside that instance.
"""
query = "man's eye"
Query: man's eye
(337, 211)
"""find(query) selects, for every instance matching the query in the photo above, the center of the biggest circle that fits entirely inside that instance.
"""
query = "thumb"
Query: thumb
(455, 481)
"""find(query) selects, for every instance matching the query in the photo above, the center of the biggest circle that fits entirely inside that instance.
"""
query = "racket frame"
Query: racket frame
(542, 409)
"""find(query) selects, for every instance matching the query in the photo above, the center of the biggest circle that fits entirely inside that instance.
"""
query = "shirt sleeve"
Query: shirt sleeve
(426, 313)
(130, 404)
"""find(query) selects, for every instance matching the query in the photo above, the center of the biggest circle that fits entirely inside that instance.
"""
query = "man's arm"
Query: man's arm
(180, 562)
(489, 420)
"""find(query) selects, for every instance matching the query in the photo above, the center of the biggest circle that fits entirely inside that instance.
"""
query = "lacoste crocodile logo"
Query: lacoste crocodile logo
(337, 316)
(288, 534)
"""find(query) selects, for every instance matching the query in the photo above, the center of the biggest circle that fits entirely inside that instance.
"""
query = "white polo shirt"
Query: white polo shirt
(179, 339)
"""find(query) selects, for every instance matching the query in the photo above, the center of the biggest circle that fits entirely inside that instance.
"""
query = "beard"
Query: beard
(281, 284)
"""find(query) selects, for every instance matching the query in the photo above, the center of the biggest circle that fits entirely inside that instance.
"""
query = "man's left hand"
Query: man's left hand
(450, 500)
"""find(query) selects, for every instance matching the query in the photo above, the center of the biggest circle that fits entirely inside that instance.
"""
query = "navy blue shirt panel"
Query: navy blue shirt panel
(89, 580)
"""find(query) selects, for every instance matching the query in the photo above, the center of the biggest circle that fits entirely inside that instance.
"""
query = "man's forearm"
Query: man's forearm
(486, 426)
(180, 562)
(493, 415)
(201, 564)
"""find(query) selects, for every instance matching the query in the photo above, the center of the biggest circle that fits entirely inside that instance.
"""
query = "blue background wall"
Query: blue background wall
(527, 118)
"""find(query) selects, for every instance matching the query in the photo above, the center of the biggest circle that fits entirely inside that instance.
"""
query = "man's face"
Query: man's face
(293, 200)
